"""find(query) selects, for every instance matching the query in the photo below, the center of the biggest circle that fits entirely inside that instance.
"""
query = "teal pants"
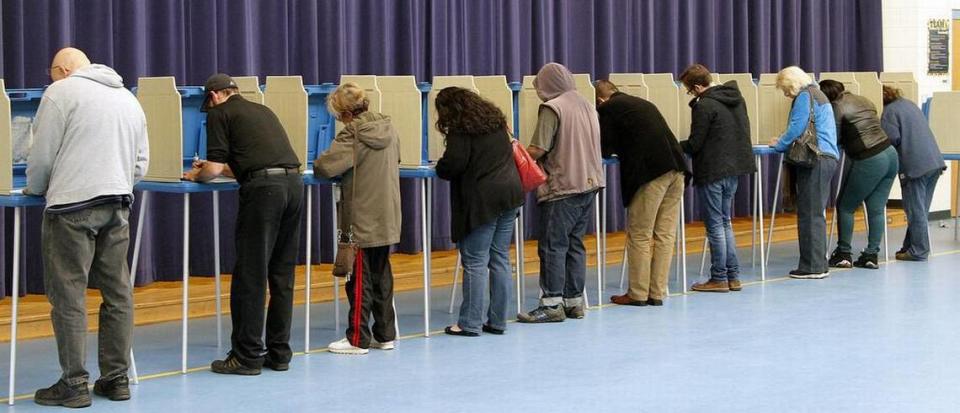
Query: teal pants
(866, 181)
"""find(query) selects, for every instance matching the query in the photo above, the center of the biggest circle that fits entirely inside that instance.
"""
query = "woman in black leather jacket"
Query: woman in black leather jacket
(872, 165)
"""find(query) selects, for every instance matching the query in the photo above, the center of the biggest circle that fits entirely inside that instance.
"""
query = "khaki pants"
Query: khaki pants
(651, 233)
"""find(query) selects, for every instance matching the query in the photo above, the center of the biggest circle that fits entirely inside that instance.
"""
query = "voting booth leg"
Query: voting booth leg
(308, 272)
(703, 254)
(425, 211)
(521, 284)
(886, 238)
(623, 262)
(683, 245)
(335, 192)
(134, 377)
(833, 218)
(216, 268)
(15, 304)
(186, 283)
(599, 223)
(763, 262)
(603, 246)
(453, 288)
(773, 210)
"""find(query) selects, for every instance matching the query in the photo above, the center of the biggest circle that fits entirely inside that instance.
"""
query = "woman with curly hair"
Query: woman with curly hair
(486, 195)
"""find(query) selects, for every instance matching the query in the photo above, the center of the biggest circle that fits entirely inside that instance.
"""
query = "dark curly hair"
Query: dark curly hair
(462, 112)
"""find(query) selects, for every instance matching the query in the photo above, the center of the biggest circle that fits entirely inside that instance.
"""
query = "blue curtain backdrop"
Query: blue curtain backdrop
(320, 39)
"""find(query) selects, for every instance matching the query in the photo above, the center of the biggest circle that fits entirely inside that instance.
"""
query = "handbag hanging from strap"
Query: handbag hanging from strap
(531, 175)
(804, 151)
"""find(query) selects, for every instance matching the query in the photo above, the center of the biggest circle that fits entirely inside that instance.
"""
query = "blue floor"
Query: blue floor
(861, 340)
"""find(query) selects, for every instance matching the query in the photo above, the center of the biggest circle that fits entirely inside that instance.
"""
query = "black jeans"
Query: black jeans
(268, 240)
(370, 291)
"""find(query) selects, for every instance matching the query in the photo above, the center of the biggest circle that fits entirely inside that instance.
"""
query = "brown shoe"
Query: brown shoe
(734, 285)
(712, 286)
(626, 300)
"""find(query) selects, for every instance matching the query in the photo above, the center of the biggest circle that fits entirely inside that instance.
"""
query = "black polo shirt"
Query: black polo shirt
(247, 136)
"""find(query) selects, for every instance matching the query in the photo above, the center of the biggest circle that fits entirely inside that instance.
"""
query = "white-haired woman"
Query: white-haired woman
(366, 153)
(813, 183)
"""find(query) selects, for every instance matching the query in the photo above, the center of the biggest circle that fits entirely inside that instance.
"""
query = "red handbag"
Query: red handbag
(531, 175)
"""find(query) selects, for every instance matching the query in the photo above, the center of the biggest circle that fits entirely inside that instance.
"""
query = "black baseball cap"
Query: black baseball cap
(214, 83)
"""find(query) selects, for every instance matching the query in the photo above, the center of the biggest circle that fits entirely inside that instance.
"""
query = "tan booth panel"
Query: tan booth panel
(287, 98)
(496, 90)
(686, 112)
(6, 142)
(434, 137)
(849, 80)
(871, 88)
(161, 104)
(400, 99)
(661, 90)
(370, 87)
(750, 95)
(585, 87)
(774, 108)
(529, 104)
(944, 121)
(629, 83)
(250, 88)
(905, 81)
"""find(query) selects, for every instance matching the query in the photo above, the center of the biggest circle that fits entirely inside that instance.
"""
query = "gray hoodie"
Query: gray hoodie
(90, 139)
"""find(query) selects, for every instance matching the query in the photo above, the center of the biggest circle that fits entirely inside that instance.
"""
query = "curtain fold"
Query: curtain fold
(322, 39)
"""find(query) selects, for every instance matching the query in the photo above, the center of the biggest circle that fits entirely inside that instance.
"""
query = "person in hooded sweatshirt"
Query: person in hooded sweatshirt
(246, 140)
(90, 148)
(366, 154)
(720, 145)
(566, 143)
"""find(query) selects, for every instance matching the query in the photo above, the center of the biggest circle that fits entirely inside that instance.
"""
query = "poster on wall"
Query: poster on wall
(938, 47)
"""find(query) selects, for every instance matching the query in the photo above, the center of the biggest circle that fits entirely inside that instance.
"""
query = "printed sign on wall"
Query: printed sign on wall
(938, 47)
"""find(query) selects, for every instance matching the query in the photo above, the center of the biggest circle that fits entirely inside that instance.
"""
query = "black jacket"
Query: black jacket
(484, 181)
(859, 132)
(634, 130)
(719, 135)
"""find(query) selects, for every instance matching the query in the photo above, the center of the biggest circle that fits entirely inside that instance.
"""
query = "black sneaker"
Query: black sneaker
(269, 363)
(574, 312)
(841, 260)
(232, 365)
(116, 389)
(867, 261)
(63, 394)
(543, 314)
(654, 302)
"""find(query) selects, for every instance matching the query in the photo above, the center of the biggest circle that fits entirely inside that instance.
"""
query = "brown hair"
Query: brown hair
(462, 112)
(891, 94)
(696, 75)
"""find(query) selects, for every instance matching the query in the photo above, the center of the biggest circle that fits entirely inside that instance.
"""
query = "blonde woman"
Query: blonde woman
(366, 154)
(813, 183)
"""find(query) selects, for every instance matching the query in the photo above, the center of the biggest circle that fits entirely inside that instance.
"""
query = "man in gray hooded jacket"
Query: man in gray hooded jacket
(567, 144)
(90, 148)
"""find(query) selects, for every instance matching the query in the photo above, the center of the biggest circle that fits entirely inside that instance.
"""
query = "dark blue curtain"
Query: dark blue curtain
(320, 39)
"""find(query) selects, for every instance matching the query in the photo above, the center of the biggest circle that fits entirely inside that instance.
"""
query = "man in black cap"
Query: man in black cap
(246, 140)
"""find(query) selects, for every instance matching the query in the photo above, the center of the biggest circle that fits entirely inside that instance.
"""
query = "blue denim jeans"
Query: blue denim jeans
(917, 196)
(563, 258)
(486, 250)
(716, 200)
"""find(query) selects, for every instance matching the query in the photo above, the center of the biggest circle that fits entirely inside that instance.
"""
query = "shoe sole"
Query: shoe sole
(282, 367)
(710, 290)
(736, 289)
(237, 372)
(357, 352)
(540, 321)
(113, 397)
(75, 403)
(842, 265)
(493, 331)
(810, 276)
(869, 266)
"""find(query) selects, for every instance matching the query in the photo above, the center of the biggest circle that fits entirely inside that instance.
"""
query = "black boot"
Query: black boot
(63, 394)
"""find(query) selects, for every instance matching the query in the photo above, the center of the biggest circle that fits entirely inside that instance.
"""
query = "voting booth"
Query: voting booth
(401, 100)
(773, 108)
(370, 87)
(905, 81)
(871, 88)
(434, 137)
(686, 112)
(749, 91)
(529, 105)
(662, 91)
(629, 83)
(249, 88)
(287, 98)
(160, 101)
(6, 143)
(848, 79)
(496, 90)
(945, 121)
(585, 87)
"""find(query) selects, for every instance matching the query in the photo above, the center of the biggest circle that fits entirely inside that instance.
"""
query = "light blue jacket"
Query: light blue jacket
(823, 119)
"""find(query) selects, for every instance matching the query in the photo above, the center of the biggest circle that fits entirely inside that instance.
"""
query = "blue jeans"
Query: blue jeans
(917, 196)
(563, 258)
(486, 248)
(716, 200)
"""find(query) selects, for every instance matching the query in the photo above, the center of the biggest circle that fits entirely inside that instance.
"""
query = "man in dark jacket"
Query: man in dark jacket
(652, 170)
(720, 145)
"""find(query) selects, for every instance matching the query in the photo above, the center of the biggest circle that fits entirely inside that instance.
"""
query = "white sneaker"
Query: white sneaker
(344, 347)
(390, 345)
(810, 276)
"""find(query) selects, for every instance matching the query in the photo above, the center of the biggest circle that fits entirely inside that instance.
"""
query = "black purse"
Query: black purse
(804, 151)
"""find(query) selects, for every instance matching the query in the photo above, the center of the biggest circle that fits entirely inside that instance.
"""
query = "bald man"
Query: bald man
(89, 149)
